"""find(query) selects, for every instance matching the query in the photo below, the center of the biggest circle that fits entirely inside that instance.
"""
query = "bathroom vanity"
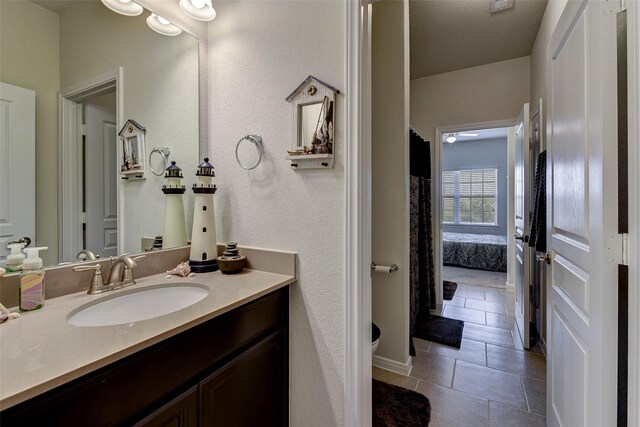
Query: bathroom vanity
(221, 361)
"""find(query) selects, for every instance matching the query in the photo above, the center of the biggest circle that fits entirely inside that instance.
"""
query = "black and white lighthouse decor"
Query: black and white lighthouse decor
(175, 229)
(204, 245)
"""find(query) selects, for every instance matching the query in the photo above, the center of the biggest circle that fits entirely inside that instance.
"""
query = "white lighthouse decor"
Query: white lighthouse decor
(204, 245)
(175, 229)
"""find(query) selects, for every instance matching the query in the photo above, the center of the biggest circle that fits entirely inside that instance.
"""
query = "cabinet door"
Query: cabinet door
(180, 412)
(250, 390)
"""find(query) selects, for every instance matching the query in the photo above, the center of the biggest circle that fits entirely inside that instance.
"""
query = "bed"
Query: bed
(479, 251)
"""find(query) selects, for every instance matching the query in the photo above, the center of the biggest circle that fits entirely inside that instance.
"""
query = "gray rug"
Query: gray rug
(395, 406)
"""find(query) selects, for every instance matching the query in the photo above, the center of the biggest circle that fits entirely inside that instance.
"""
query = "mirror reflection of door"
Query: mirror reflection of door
(100, 177)
(17, 169)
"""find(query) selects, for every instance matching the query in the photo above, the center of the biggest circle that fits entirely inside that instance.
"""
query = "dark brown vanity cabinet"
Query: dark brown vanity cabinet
(229, 371)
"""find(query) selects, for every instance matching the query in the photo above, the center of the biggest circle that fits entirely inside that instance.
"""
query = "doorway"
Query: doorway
(90, 115)
(100, 175)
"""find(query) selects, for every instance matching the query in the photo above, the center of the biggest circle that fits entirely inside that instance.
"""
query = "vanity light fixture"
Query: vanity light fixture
(451, 138)
(124, 7)
(202, 10)
(162, 26)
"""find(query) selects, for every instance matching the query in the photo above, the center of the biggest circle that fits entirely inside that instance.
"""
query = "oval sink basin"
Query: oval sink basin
(138, 304)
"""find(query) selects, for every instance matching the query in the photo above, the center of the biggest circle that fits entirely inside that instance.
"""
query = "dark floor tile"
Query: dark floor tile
(451, 408)
(434, 368)
(488, 306)
(468, 315)
(470, 351)
(489, 384)
(488, 334)
(504, 416)
(455, 301)
(501, 321)
(471, 293)
(495, 296)
(518, 362)
(536, 392)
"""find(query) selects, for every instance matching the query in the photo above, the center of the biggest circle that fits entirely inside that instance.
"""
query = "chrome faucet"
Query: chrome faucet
(121, 274)
(86, 255)
(122, 271)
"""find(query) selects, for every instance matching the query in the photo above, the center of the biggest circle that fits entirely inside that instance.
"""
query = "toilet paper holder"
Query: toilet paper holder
(384, 268)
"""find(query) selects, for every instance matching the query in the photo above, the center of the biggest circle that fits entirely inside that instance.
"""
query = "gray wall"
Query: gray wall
(489, 153)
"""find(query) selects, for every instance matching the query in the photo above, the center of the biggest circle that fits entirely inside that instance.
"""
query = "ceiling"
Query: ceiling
(448, 35)
(56, 6)
(481, 135)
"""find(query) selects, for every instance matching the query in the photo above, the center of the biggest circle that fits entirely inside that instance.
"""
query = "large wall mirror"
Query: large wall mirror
(71, 74)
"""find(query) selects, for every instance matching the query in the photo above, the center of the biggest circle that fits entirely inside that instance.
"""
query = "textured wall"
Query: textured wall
(390, 175)
(486, 93)
(258, 53)
(489, 153)
(29, 58)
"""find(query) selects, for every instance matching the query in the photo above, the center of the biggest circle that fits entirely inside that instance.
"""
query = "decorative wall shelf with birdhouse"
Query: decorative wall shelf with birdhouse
(131, 139)
(313, 107)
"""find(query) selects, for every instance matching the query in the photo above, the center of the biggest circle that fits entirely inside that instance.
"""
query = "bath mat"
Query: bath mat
(395, 406)
(449, 289)
(441, 330)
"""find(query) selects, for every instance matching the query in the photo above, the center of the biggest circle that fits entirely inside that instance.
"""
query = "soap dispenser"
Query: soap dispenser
(15, 259)
(32, 281)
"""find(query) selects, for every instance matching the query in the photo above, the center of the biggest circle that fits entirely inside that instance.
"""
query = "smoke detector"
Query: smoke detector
(500, 5)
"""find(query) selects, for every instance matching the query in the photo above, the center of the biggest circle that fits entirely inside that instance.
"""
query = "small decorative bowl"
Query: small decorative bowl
(231, 265)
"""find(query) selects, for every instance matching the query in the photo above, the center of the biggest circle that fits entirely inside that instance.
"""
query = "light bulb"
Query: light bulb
(451, 139)
(201, 10)
(124, 7)
(162, 26)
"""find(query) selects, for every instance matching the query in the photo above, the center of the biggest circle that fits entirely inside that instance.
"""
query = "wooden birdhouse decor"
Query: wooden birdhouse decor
(131, 141)
(313, 110)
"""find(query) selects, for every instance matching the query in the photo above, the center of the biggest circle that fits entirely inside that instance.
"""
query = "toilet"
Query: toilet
(375, 337)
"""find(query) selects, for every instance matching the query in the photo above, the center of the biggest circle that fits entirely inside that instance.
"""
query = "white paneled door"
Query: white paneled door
(581, 218)
(17, 165)
(100, 181)
(522, 209)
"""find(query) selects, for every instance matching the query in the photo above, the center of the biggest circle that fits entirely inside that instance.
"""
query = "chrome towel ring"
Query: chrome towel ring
(164, 152)
(255, 140)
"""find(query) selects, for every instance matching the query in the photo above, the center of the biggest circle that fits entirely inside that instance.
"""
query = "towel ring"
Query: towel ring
(255, 140)
(164, 152)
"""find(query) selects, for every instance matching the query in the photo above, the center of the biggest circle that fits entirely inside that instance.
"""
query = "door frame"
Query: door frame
(357, 181)
(69, 153)
(436, 192)
(633, 69)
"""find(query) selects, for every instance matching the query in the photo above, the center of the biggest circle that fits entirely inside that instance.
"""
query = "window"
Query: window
(469, 196)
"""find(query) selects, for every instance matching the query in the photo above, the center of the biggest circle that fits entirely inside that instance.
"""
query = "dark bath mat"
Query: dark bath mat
(395, 406)
(449, 289)
(441, 330)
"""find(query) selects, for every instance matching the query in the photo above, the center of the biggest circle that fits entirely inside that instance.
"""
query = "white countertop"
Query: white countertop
(41, 350)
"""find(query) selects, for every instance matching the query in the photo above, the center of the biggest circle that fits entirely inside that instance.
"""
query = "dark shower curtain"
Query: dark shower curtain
(422, 295)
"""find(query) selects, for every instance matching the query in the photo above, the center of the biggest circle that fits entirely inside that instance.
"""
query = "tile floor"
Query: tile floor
(490, 381)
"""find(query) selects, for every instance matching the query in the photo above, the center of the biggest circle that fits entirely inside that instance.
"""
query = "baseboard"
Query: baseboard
(392, 365)
(510, 286)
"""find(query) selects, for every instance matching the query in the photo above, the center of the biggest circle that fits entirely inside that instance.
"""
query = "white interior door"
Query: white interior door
(17, 165)
(100, 180)
(522, 209)
(582, 218)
